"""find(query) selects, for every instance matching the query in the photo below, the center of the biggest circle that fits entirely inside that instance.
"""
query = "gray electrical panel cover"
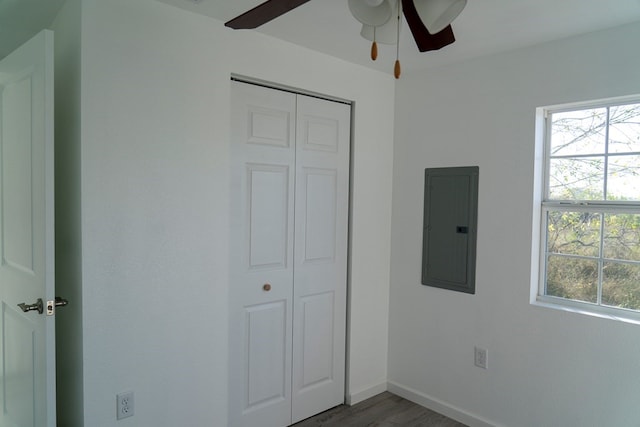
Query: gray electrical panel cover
(450, 228)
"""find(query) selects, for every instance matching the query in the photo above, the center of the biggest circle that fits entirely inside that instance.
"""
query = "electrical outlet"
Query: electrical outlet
(480, 357)
(124, 405)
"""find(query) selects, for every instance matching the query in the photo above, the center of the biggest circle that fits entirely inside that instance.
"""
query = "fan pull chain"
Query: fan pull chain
(396, 68)
(374, 46)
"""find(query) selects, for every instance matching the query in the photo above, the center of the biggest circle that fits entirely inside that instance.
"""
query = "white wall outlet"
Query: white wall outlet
(124, 405)
(481, 357)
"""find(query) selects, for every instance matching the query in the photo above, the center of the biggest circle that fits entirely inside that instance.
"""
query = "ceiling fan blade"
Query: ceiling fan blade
(424, 40)
(263, 13)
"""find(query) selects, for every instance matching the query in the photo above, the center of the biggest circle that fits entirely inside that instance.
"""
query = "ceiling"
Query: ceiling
(484, 27)
(22, 19)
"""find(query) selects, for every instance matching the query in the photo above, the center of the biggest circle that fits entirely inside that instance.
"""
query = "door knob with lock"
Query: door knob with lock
(36, 306)
(39, 305)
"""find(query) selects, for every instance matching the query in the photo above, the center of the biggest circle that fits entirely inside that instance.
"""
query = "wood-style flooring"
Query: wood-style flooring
(383, 410)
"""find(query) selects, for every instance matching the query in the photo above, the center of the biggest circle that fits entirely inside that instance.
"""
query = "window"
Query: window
(590, 208)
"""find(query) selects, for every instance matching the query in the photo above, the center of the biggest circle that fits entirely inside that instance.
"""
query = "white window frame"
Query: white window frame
(542, 206)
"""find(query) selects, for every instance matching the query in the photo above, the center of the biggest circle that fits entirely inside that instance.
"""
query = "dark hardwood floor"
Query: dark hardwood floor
(383, 410)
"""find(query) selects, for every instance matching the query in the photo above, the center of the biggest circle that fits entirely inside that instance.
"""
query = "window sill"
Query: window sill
(618, 315)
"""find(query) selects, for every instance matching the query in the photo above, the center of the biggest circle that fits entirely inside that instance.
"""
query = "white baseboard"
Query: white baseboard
(359, 396)
(437, 405)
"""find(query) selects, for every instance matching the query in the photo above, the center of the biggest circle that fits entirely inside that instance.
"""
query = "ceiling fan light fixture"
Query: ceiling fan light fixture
(385, 34)
(438, 14)
(370, 15)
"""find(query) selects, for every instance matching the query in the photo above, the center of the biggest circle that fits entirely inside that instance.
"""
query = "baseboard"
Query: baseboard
(359, 396)
(437, 405)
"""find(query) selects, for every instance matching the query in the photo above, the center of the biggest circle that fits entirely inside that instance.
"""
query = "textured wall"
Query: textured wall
(155, 214)
(546, 367)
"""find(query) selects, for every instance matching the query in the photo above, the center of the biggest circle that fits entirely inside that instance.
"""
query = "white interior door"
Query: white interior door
(27, 344)
(261, 256)
(289, 207)
(320, 259)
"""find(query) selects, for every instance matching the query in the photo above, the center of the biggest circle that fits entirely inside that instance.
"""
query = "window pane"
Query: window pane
(575, 233)
(592, 158)
(621, 285)
(578, 132)
(623, 182)
(622, 236)
(572, 278)
(576, 179)
(624, 129)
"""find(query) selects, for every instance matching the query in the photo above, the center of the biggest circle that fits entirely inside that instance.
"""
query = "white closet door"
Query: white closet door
(320, 259)
(261, 252)
(289, 208)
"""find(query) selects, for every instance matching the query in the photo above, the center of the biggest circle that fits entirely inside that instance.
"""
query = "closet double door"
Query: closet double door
(288, 255)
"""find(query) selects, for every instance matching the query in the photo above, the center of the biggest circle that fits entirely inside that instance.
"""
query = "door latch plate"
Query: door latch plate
(52, 304)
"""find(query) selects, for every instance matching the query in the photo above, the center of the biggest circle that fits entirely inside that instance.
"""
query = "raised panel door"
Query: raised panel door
(288, 249)
(320, 260)
(27, 339)
(261, 252)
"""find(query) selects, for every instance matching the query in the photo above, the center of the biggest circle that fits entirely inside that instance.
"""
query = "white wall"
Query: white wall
(155, 214)
(546, 367)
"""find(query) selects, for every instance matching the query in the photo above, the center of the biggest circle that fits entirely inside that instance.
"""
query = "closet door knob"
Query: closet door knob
(266, 287)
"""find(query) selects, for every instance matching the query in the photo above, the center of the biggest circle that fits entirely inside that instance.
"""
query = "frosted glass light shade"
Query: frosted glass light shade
(370, 15)
(385, 34)
(438, 14)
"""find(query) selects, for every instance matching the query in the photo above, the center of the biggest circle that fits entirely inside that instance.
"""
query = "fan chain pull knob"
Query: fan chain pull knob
(374, 51)
(396, 69)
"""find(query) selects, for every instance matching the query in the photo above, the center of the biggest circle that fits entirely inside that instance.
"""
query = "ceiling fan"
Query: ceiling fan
(428, 20)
